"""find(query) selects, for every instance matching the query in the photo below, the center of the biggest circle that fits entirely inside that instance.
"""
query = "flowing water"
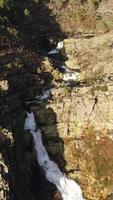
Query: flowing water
(68, 189)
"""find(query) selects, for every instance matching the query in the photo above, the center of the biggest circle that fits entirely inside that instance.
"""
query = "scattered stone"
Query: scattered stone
(4, 86)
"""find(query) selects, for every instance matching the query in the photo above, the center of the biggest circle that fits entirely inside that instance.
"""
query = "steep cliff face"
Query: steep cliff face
(78, 123)
(77, 127)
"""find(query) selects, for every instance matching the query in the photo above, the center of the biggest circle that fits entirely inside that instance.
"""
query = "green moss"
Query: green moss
(90, 81)
(108, 24)
(67, 89)
(102, 88)
(12, 31)
(79, 15)
(26, 12)
(2, 3)
(94, 3)
(75, 129)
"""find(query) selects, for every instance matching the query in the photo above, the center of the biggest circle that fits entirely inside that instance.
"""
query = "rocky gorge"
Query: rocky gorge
(76, 120)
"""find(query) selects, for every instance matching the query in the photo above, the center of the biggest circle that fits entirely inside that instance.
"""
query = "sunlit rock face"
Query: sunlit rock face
(92, 56)
(78, 123)
(79, 137)
(106, 8)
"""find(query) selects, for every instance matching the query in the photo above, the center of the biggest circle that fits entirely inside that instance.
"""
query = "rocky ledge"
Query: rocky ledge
(77, 122)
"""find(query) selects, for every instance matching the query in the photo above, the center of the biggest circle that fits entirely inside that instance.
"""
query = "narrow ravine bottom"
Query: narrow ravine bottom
(68, 188)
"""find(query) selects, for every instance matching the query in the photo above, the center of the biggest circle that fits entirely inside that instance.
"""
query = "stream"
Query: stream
(68, 188)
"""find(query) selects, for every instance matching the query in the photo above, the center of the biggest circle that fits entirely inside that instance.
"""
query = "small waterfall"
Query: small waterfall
(68, 188)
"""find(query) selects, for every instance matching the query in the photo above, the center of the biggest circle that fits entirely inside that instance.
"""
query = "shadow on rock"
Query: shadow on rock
(21, 79)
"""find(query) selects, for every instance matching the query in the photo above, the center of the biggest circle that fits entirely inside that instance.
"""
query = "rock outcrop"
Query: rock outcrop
(92, 56)
(77, 123)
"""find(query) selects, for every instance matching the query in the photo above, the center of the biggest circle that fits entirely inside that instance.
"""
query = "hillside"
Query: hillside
(77, 119)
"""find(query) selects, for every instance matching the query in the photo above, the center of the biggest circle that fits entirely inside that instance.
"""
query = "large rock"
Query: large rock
(4, 86)
(94, 56)
(77, 123)
(79, 131)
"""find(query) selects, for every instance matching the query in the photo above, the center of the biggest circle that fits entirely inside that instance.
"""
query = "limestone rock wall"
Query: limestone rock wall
(93, 56)
(77, 123)
(78, 126)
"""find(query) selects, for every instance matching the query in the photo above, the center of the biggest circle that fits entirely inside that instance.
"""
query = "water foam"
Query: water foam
(68, 188)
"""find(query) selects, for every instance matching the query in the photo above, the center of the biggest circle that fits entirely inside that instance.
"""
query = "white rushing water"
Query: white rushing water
(68, 188)
(45, 94)
(59, 46)
(38, 99)
(70, 76)
(53, 51)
